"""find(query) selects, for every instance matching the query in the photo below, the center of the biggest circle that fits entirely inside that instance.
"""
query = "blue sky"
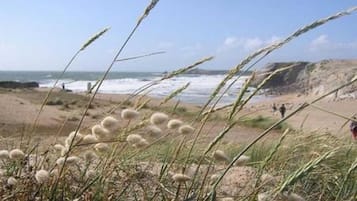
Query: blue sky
(43, 35)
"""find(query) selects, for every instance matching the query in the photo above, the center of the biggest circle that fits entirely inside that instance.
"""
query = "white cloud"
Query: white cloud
(230, 41)
(253, 43)
(323, 44)
(319, 43)
(247, 44)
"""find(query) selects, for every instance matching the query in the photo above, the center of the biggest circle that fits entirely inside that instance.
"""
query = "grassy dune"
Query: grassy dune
(134, 150)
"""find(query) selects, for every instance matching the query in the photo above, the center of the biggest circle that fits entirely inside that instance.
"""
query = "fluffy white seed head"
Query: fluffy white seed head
(60, 161)
(293, 197)
(102, 147)
(58, 147)
(219, 155)
(133, 138)
(89, 139)
(11, 181)
(42, 176)
(73, 160)
(54, 173)
(90, 156)
(110, 123)
(264, 197)
(64, 151)
(91, 174)
(158, 118)
(73, 136)
(154, 131)
(242, 160)
(141, 144)
(181, 178)
(186, 129)
(16, 154)
(174, 123)
(100, 132)
(129, 114)
(4, 154)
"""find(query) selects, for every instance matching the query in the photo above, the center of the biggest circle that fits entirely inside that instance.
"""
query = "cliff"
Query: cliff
(310, 78)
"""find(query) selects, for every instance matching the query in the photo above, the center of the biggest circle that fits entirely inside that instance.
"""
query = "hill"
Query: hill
(313, 78)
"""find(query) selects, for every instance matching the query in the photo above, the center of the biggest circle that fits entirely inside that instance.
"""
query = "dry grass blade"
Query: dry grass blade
(147, 11)
(183, 70)
(175, 93)
(141, 56)
(93, 38)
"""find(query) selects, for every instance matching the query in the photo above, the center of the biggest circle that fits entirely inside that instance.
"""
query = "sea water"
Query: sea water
(198, 92)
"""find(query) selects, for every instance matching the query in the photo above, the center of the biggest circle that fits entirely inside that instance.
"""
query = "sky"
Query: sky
(43, 35)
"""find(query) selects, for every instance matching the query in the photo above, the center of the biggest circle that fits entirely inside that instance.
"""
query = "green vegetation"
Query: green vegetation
(263, 123)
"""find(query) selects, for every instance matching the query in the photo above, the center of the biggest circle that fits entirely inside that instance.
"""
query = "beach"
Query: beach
(19, 108)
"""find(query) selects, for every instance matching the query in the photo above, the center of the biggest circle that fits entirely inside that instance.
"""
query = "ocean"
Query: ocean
(198, 92)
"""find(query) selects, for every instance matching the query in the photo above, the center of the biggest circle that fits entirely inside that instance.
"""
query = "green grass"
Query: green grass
(262, 123)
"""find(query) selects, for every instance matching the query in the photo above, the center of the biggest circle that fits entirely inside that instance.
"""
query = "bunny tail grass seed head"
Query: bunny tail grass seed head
(60, 161)
(100, 132)
(174, 123)
(58, 147)
(133, 139)
(54, 173)
(219, 155)
(72, 160)
(90, 174)
(102, 147)
(154, 131)
(264, 197)
(129, 114)
(141, 144)
(4, 154)
(158, 118)
(242, 160)
(181, 178)
(73, 137)
(292, 197)
(16, 154)
(65, 150)
(110, 123)
(186, 129)
(42, 176)
(89, 139)
(90, 156)
(11, 181)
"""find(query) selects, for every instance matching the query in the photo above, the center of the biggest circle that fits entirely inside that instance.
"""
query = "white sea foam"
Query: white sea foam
(201, 87)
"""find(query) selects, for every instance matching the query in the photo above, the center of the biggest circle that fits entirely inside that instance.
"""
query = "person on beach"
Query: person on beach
(353, 128)
(282, 110)
(274, 108)
(63, 87)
